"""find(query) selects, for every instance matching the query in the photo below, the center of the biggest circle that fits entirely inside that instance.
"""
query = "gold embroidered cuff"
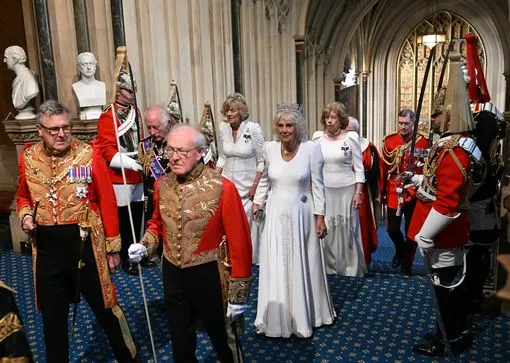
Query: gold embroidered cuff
(238, 290)
(151, 241)
(9, 324)
(113, 244)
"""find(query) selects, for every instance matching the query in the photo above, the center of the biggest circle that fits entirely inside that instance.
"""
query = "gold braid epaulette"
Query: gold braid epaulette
(9, 324)
(394, 157)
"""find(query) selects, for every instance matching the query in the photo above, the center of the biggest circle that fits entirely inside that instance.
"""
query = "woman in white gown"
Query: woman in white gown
(344, 176)
(293, 294)
(240, 156)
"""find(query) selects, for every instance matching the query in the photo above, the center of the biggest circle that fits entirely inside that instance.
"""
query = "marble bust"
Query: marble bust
(90, 92)
(24, 87)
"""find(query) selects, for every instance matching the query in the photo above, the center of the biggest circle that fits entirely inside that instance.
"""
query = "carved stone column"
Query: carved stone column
(235, 9)
(364, 95)
(23, 132)
(49, 78)
(299, 42)
(119, 34)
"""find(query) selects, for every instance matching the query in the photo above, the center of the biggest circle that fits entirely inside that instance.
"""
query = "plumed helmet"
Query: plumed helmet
(124, 81)
(457, 116)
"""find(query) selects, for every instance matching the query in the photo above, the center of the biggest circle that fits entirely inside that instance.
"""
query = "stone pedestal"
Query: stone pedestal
(23, 132)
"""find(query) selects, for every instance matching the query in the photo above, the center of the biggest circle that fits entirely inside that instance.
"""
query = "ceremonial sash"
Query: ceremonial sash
(157, 170)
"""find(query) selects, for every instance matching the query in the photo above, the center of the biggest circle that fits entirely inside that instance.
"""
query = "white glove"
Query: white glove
(126, 162)
(234, 310)
(417, 179)
(136, 252)
(423, 242)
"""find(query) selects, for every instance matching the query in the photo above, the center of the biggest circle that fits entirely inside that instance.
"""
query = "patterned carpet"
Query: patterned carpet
(380, 317)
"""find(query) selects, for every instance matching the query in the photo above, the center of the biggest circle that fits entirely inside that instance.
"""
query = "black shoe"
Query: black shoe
(430, 349)
(406, 270)
(130, 269)
(396, 262)
(147, 263)
(432, 336)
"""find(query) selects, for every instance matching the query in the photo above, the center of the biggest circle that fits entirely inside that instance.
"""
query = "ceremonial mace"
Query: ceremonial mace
(84, 233)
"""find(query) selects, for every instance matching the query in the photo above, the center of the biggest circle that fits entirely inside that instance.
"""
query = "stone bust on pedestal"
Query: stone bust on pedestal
(24, 87)
(90, 92)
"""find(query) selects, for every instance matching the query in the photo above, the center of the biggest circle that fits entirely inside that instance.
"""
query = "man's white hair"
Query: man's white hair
(354, 123)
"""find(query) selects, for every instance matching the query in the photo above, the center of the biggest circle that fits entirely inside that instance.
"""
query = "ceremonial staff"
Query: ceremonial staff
(120, 62)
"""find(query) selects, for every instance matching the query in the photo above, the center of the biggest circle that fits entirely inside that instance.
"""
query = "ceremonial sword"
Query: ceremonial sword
(400, 189)
(84, 233)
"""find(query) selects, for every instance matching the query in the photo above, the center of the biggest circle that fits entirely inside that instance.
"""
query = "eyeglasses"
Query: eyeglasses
(180, 152)
(66, 129)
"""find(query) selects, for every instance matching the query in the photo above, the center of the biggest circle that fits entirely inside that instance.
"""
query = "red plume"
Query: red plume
(477, 89)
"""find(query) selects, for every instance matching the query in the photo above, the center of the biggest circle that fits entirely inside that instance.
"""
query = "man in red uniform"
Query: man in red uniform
(116, 126)
(370, 199)
(198, 216)
(440, 222)
(400, 202)
(64, 185)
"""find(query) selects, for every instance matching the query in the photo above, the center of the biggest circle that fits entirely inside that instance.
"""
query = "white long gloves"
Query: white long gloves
(126, 162)
(434, 223)
(234, 310)
(136, 252)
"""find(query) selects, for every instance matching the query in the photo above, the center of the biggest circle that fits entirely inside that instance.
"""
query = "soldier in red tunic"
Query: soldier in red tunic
(118, 126)
(440, 222)
(65, 187)
(198, 216)
(400, 202)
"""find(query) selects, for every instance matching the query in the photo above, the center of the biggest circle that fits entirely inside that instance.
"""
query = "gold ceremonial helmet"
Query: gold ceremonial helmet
(438, 105)
(457, 115)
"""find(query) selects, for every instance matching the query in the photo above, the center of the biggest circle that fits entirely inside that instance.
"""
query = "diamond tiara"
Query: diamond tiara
(289, 107)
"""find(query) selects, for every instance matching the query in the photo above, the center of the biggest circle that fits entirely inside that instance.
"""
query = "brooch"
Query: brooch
(247, 138)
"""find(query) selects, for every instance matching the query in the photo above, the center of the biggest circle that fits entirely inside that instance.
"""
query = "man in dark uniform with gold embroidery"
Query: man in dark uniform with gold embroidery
(395, 160)
(198, 215)
(13, 342)
(65, 189)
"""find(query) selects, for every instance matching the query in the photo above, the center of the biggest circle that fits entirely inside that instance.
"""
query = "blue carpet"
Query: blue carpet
(380, 317)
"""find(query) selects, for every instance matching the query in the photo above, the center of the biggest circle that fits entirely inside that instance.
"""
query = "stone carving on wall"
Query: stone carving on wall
(280, 9)
(90, 92)
(24, 87)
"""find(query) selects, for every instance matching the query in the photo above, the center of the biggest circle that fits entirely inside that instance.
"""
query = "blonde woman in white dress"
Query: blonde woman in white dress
(293, 293)
(344, 176)
(240, 156)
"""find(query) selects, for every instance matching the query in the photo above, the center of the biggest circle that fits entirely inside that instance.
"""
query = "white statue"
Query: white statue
(24, 86)
(90, 92)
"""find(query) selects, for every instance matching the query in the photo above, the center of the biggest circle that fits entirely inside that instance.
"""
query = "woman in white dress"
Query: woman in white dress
(293, 294)
(240, 156)
(344, 176)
